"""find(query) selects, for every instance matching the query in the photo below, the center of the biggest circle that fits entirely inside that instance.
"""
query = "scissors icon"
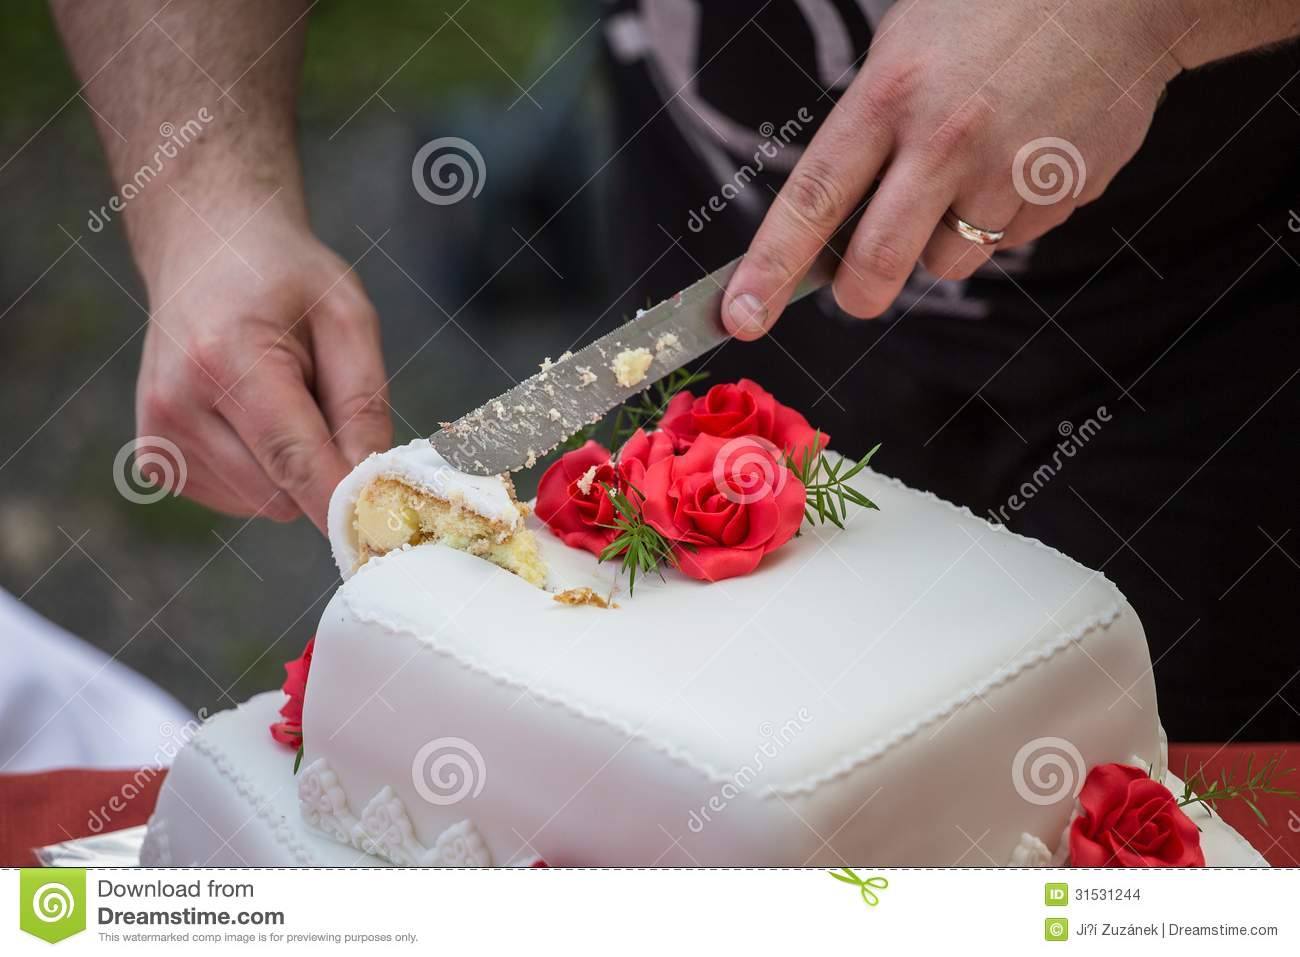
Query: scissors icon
(865, 886)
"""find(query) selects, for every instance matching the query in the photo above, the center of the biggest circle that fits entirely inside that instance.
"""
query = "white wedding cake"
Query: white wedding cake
(919, 687)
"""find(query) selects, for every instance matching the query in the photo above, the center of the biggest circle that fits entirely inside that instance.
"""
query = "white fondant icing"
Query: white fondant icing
(154, 850)
(862, 696)
(420, 466)
(923, 645)
(202, 819)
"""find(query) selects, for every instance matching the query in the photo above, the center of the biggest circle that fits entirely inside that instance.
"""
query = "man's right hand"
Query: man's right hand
(262, 363)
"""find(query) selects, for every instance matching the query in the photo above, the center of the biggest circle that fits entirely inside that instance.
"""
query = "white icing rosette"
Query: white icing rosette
(460, 845)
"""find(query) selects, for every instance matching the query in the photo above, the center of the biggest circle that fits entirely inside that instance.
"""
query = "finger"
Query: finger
(948, 254)
(350, 380)
(825, 186)
(212, 494)
(227, 460)
(213, 456)
(1034, 221)
(277, 418)
(888, 241)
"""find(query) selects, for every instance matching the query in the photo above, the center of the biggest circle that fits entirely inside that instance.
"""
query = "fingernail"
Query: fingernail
(747, 314)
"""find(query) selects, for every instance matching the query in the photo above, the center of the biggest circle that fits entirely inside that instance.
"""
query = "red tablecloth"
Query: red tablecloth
(39, 809)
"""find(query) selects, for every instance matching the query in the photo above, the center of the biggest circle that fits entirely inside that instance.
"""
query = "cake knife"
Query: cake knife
(517, 428)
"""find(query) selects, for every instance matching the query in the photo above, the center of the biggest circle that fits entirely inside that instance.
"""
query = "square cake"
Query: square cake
(918, 687)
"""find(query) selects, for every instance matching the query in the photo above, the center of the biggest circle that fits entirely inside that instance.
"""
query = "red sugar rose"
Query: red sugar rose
(733, 500)
(289, 731)
(640, 452)
(730, 410)
(1129, 820)
(576, 516)
(581, 519)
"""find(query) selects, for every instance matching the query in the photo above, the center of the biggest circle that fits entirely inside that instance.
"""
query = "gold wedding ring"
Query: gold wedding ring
(984, 237)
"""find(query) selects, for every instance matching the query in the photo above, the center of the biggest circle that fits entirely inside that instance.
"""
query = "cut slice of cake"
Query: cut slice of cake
(410, 495)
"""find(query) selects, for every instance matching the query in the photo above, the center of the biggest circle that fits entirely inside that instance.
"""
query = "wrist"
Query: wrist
(184, 220)
(1159, 28)
(1181, 25)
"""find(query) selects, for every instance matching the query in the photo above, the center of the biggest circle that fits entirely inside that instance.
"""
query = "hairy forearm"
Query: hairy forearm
(1214, 29)
(200, 93)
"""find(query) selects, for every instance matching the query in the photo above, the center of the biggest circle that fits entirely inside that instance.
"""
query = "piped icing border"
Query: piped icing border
(262, 805)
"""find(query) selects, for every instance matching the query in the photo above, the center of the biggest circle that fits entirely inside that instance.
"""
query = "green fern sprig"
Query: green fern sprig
(1199, 789)
(642, 548)
(826, 483)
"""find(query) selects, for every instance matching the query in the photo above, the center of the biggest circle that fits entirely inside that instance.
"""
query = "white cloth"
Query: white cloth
(64, 703)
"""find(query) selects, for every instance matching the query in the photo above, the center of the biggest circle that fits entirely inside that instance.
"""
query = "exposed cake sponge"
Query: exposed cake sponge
(391, 514)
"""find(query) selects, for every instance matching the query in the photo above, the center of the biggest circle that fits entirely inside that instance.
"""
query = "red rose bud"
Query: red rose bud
(1127, 819)
(571, 498)
(731, 501)
(733, 410)
(289, 731)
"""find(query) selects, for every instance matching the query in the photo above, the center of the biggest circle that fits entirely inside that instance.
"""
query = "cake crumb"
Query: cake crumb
(500, 409)
(547, 364)
(630, 366)
(583, 596)
(665, 342)
(585, 377)
(554, 415)
(585, 480)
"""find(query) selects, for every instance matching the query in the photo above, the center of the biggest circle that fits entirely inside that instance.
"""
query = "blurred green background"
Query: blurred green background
(157, 584)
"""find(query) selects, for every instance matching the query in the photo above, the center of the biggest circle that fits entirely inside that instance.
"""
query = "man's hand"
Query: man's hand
(949, 95)
(262, 359)
(262, 363)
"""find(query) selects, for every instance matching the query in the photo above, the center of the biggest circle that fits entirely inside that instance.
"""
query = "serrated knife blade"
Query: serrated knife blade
(517, 428)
